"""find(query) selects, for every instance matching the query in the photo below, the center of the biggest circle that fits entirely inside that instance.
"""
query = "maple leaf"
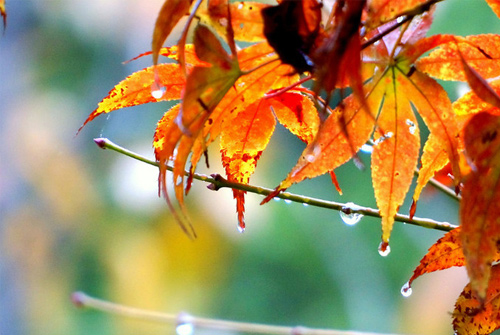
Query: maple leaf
(246, 19)
(480, 52)
(382, 11)
(205, 88)
(291, 28)
(170, 14)
(395, 154)
(495, 6)
(445, 253)
(245, 136)
(139, 88)
(479, 210)
(478, 317)
(434, 158)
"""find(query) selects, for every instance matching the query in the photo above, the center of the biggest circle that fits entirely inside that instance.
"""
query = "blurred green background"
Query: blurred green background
(74, 217)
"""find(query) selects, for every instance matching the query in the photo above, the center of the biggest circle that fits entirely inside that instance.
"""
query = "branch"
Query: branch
(217, 182)
(81, 299)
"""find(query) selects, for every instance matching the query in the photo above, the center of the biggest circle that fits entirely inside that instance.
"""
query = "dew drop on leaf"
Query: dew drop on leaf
(157, 91)
(406, 290)
(384, 249)
(412, 126)
(314, 155)
(347, 215)
(383, 138)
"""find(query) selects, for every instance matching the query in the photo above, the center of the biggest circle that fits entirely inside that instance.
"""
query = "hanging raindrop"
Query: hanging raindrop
(288, 201)
(384, 249)
(406, 290)
(184, 324)
(184, 329)
(241, 228)
(158, 91)
(347, 215)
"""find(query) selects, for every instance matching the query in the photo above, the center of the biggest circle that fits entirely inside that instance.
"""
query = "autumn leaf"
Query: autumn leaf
(246, 19)
(170, 14)
(345, 130)
(434, 106)
(480, 52)
(473, 316)
(205, 88)
(470, 103)
(242, 144)
(434, 158)
(297, 113)
(382, 11)
(395, 154)
(339, 56)
(291, 29)
(479, 210)
(136, 89)
(261, 76)
(445, 253)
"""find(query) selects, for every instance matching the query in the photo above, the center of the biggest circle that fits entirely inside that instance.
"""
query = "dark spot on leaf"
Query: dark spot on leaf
(489, 136)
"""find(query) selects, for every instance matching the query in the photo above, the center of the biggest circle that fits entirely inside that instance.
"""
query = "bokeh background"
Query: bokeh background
(74, 217)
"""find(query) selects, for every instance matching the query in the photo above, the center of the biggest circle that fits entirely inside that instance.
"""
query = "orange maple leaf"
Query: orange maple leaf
(479, 209)
(396, 133)
(473, 316)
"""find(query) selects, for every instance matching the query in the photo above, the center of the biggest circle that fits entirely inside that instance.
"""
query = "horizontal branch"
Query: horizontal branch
(81, 299)
(216, 182)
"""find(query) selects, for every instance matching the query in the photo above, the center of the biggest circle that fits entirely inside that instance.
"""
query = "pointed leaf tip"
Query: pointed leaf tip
(170, 14)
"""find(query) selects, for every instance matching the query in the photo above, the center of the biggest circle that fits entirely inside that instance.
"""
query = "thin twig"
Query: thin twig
(217, 182)
(81, 299)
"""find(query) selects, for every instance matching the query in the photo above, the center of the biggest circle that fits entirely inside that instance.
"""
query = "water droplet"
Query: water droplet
(305, 205)
(384, 249)
(184, 329)
(240, 6)
(400, 19)
(347, 215)
(314, 155)
(241, 229)
(406, 290)
(288, 201)
(276, 199)
(412, 127)
(367, 148)
(383, 138)
(158, 91)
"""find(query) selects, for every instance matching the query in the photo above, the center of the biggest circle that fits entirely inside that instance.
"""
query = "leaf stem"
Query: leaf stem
(81, 299)
(217, 182)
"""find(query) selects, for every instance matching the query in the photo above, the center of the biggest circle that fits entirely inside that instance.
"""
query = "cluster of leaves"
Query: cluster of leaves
(377, 48)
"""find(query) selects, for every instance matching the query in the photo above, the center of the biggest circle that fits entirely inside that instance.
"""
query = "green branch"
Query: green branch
(81, 299)
(217, 182)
